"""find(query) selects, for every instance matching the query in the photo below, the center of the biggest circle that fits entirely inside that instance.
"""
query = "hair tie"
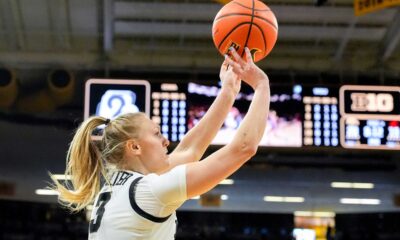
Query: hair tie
(107, 121)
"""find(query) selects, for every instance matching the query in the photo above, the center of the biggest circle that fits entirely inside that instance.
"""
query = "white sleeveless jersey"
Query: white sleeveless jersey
(139, 207)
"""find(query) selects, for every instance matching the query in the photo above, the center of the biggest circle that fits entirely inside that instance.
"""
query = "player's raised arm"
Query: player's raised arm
(204, 175)
(194, 144)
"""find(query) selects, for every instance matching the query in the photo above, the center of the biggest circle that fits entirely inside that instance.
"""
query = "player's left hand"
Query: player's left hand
(229, 79)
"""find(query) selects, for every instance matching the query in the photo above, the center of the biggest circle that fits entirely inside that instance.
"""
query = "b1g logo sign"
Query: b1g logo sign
(370, 117)
(370, 100)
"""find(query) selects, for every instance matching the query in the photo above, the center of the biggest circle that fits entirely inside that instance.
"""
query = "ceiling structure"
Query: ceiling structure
(176, 36)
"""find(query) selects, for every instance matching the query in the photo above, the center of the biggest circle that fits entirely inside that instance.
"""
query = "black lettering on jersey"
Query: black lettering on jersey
(176, 227)
(102, 200)
(121, 178)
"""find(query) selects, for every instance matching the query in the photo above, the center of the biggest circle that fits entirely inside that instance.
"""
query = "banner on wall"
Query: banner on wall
(366, 6)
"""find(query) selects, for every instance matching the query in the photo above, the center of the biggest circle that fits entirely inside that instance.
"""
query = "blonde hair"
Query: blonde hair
(88, 163)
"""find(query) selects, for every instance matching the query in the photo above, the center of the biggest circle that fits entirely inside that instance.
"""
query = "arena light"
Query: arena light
(363, 185)
(355, 185)
(360, 201)
(59, 91)
(227, 182)
(314, 214)
(61, 85)
(46, 192)
(294, 199)
(224, 197)
(273, 199)
(340, 185)
(284, 199)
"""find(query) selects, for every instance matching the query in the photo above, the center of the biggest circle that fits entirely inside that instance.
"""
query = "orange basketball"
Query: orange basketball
(245, 23)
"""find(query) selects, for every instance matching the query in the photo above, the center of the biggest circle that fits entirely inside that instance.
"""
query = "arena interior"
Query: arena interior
(327, 169)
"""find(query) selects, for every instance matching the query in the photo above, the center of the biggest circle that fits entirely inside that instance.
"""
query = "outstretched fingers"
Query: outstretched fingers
(224, 68)
(236, 68)
(249, 58)
(236, 56)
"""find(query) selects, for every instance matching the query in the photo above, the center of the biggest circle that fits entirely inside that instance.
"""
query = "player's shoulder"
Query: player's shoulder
(149, 177)
(175, 172)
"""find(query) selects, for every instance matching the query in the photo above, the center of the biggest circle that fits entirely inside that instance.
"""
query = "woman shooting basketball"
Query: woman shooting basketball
(145, 185)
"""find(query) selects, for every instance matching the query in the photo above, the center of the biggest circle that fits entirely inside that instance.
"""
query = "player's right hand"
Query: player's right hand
(246, 69)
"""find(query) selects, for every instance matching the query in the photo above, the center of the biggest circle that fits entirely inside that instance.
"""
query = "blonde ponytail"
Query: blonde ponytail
(87, 165)
(84, 165)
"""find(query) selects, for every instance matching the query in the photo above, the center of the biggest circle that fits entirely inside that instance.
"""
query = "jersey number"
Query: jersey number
(101, 203)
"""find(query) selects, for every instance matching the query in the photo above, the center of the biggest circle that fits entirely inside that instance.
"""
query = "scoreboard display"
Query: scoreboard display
(301, 116)
(370, 117)
(169, 109)
(321, 117)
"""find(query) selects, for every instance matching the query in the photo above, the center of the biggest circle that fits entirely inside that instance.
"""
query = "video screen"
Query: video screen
(284, 126)
(110, 98)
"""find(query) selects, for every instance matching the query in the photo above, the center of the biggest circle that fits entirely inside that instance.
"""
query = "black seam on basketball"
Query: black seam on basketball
(251, 25)
(229, 33)
(251, 8)
(263, 36)
(244, 14)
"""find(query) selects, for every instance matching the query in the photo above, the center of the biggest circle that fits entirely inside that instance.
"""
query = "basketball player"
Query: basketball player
(146, 185)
